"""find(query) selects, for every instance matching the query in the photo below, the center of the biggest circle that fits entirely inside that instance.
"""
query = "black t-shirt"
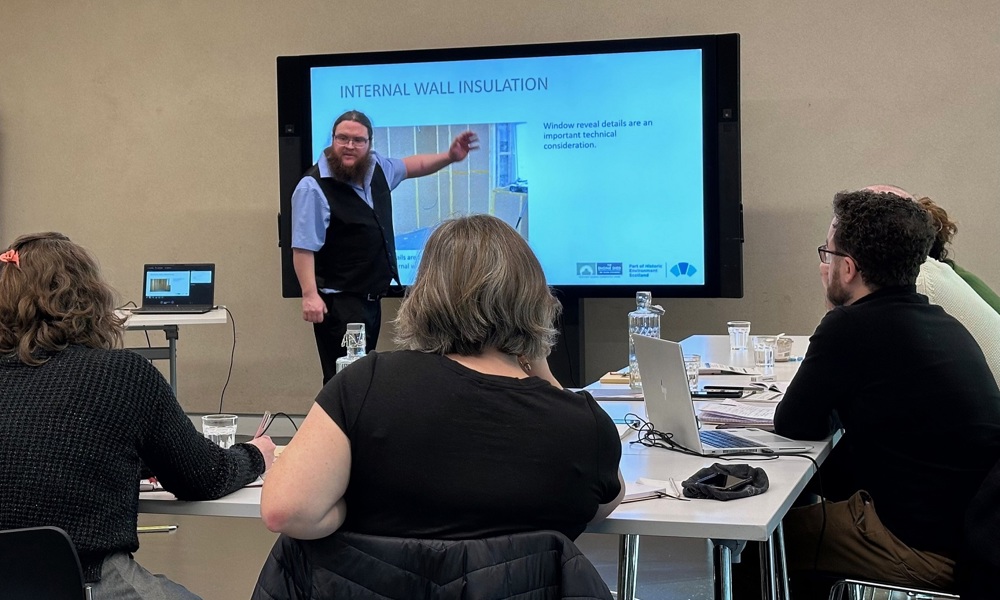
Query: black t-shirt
(441, 451)
(919, 406)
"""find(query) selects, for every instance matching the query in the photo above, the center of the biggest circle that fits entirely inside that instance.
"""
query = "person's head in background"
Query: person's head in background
(884, 188)
(350, 154)
(478, 287)
(52, 296)
(946, 229)
(875, 240)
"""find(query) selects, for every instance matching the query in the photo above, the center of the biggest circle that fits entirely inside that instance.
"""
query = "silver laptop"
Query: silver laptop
(177, 288)
(670, 410)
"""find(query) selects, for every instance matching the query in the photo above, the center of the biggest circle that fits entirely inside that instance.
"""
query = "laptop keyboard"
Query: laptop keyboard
(720, 439)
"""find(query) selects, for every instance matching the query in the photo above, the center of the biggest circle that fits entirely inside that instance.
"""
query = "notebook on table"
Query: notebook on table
(670, 409)
(177, 288)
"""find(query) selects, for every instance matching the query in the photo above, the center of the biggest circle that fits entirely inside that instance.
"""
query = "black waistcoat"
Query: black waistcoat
(359, 255)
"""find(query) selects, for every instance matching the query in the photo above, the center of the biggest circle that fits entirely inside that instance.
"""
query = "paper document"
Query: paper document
(623, 393)
(152, 485)
(734, 412)
(711, 368)
(635, 492)
(623, 430)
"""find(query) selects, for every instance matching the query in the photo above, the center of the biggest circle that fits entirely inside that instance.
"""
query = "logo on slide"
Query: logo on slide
(609, 268)
(586, 269)
(683, 268)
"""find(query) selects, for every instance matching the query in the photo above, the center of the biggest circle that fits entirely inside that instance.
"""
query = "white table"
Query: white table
(241, 503)
(168, 324)
(748, 519)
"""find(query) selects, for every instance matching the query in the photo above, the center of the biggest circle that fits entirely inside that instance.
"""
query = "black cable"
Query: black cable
(149, 344)
(232, 356)
(650, 437)
(290, 420)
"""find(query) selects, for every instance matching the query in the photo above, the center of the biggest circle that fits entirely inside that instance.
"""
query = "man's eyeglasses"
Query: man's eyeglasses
(826, 255)
(346, 140)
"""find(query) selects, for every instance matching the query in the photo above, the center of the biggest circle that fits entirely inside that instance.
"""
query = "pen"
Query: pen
(719, 393)
(265, 422)
(155, 528)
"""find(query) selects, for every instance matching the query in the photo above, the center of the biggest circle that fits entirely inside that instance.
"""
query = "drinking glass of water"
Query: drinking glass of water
(220, 429)
(692, 365)
(739, 333)
(763, 352)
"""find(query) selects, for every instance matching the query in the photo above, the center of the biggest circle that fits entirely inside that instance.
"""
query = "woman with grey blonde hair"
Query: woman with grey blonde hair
(480, 292)
(464, 433)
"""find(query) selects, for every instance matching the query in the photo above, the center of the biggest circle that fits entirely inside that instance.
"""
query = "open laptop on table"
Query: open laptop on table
(670, 409)
(177, 289)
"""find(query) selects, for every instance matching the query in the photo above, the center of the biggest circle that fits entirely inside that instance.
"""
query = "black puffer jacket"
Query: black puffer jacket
(531, 566)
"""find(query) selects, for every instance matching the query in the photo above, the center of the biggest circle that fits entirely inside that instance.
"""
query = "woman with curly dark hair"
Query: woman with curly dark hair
(82, 418)
(939, 252)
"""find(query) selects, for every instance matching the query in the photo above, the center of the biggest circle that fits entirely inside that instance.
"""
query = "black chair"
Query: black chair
(40, 562)
(856, 589)
(540, 565)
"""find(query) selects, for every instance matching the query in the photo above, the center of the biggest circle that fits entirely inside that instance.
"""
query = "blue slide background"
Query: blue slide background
(626, 211)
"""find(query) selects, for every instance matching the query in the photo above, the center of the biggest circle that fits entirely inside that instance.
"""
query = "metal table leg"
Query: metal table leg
(782, 564)
(628, 564)
(723, 558)
(768, 575)
(168, 352)
(171, 333)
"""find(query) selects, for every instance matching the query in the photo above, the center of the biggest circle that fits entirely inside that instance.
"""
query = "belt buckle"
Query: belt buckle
(372, 297)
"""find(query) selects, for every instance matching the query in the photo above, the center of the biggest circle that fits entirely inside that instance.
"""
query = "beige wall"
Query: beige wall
(146, 130)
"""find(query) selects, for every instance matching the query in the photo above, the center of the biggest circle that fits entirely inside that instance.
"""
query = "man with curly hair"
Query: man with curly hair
(913, 392)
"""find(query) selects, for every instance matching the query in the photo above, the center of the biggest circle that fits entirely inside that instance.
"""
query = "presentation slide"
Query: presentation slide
(167, 283)
(597, 159)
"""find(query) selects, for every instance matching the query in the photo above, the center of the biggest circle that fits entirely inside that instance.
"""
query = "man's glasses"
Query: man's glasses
(346, 140)
(826, 255)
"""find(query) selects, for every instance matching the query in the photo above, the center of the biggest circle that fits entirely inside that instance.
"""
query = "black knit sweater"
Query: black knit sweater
(74, 434)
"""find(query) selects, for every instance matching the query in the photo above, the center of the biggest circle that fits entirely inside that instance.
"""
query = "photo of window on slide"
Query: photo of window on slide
(487, 182)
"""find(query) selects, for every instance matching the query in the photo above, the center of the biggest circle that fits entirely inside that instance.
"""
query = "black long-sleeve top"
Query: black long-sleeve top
(919, 406)
(74, 433)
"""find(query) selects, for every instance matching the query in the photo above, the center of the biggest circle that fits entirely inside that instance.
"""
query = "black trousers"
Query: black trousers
(341, 309)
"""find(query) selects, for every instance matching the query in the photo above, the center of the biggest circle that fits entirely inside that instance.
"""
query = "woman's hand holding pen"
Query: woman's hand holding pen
(266, 447)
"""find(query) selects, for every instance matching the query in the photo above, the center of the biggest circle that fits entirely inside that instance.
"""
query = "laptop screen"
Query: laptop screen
(179, 285)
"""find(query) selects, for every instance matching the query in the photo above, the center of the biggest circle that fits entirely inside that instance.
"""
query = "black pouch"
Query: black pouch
(700, 485)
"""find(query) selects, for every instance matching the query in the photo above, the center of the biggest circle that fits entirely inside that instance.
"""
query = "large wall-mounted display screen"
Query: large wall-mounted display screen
(618, 161)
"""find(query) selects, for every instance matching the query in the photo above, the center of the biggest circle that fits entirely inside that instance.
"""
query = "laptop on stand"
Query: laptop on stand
(670, 409)
(177, 289)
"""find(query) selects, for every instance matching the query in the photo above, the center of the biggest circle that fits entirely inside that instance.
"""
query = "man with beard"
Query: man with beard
(343, 246)
(912, 390)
